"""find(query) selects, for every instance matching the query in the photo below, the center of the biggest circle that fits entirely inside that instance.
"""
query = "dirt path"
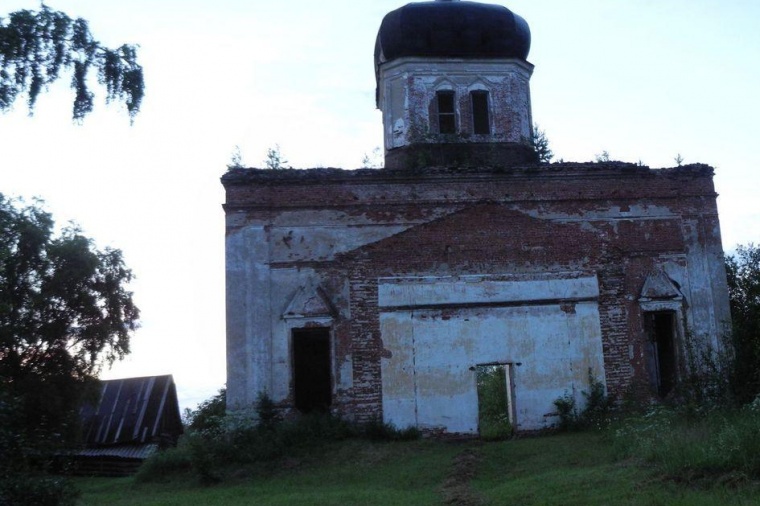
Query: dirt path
(456, 488)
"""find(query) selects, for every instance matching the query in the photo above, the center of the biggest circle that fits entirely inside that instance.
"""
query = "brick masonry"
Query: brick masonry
(346, 230)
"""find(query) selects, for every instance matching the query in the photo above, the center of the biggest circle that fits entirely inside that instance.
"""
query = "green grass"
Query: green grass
(717, 445)
(351, 472)
(568, 469)
(579, 469)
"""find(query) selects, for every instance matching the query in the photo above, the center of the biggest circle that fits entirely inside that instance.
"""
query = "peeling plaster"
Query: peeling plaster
(427, 377)
(435, 272)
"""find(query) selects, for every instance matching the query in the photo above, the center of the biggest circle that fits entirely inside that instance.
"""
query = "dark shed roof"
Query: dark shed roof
(133, 411)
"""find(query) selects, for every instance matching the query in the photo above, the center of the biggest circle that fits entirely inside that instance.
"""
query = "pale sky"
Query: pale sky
(642, 79)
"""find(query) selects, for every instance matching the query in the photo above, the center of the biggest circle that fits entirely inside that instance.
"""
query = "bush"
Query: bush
(219, 442)
(209, 416)
(595, 415)
(25, 461)
(599, 405)
(567, 412)
(30, 490)
(205, 459)
(208, 457)
(743, 276)
(241, 438)
(266, 411)
(377, 430)
(167, 463)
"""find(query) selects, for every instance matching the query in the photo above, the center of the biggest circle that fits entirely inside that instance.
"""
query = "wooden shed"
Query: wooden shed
(132, 419)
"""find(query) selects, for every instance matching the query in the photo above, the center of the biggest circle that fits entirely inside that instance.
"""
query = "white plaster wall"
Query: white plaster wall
(708, 312)
(474, 289)
(260, 283)
(319, 243)
(247, 305)
(427, 381)
(286, 283)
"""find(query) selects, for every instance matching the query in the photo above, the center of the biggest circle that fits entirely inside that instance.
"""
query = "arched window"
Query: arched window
(481, 122)
(446, 115)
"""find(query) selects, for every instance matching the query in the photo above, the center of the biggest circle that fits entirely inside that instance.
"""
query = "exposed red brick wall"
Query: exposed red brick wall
(616, 220)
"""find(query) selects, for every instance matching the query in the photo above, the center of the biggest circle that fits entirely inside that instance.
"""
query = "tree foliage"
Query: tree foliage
(209, 415)
(602, 157)
(236, 159)
(493, 407)
(540, 143)
(64, 311)
(36, 47)
(743, 273)
(275, 159)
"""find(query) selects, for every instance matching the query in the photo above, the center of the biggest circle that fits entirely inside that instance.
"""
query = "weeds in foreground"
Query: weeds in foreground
(723, 445)
(571, 469)
(242, 440)
(596, 414)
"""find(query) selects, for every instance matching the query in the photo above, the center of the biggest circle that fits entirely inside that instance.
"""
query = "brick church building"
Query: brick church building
(380, 293)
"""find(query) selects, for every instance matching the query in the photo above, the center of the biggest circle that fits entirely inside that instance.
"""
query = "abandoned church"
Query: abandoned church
(380, 293)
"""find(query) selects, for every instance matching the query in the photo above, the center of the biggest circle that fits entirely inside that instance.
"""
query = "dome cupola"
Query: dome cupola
(453, 84)
(452, 29)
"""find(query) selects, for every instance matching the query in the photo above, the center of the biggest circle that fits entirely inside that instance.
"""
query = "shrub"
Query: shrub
(567, 412)
(706, 386)
(266, 411)
(208, 455)
(205, 459)
(377, 430)
(25, 489)
(167, 463)
(743, 276)
(314, 428)
(209, 416)
(599, 405)
(26, 459)
(596, 413)
(218, 442)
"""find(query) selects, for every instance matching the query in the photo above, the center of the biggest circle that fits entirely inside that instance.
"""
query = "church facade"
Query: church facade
(381, 293)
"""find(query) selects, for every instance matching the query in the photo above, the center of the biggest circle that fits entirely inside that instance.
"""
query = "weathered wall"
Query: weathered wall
(436, 330)
(348, 234)
(407, 89)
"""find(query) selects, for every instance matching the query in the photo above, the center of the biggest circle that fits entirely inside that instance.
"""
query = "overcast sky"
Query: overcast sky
(644, 80)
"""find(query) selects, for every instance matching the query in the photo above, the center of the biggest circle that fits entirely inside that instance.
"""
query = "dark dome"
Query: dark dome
(455, 29)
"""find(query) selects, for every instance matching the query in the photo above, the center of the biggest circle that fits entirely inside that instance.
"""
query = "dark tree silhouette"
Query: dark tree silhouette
(64, 311)
(38, 47)
(743, 273)
(540, 144)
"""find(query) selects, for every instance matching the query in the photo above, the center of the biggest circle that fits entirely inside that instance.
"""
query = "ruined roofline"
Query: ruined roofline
(586, 170)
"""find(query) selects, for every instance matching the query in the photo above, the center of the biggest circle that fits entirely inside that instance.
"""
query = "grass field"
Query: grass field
(567, 469)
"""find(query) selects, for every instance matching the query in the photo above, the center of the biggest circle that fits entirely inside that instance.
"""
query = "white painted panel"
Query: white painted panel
(554, 347)
(401, 413)
(315, 242)
(447, 397)
(398, 371)
(435, 291)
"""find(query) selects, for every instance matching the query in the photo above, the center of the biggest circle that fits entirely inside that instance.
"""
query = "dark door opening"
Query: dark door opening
(480, 122)
(312, 385)
(661, 351)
